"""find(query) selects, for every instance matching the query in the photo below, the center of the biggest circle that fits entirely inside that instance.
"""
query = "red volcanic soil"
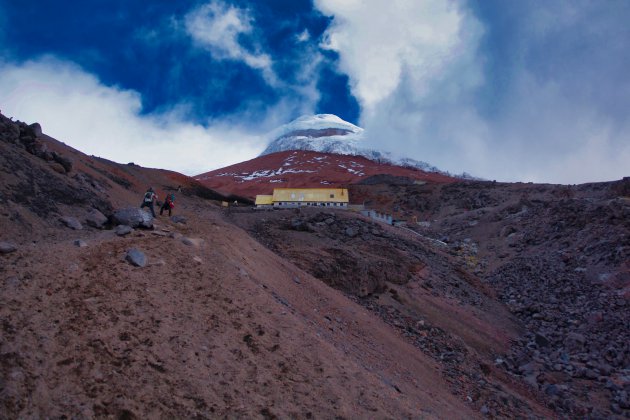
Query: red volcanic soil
(303, 169)
(503, 301)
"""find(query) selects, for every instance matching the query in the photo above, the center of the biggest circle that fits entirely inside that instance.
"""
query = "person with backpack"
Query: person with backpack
(149, 198)
(169, 203)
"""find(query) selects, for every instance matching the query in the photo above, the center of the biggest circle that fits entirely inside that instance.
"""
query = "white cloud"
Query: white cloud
(304, 36)
(378, 39)
(76, 108)
(417, 69)
(218, 27)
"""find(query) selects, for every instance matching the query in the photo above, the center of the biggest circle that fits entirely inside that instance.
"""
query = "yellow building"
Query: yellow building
(298, 197)
(264, 201)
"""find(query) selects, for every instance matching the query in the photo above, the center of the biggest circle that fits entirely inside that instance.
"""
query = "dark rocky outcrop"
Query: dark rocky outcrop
(27, 137)
(37, 178)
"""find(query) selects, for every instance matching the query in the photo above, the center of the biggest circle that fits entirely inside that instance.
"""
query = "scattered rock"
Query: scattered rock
(197, 242)
(529, 368)
(507, 231)
(133, 217)
(136, 257)
(300, 225)
(179, 219)
(96, 219)
(63, 161)
(122, 230)
(197, 259)
(71, 222)
(351, 232)
(12, 281)
(176, 235)
(541, 340)
(6, 248)
(80, 243)
(574, 341)
(159, 233)
(57, 167)
(552, 389)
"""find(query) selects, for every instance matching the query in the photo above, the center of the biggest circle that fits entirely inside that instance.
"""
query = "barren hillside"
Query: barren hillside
(211, 324)
(239, 313)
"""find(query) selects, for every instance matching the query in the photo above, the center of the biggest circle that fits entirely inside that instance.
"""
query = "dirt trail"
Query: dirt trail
(227, 328)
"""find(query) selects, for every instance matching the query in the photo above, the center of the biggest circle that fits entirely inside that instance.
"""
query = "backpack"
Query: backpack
(148, 197)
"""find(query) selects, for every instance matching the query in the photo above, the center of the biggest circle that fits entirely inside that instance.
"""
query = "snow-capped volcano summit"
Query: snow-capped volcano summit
(327, 133)
(324, 133)
(311, 152)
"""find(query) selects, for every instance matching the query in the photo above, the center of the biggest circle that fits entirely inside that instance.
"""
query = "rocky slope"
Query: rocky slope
(503, 300)
(557, 256)
(189, 316)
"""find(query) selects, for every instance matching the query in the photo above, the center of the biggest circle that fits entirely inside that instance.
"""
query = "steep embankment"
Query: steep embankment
(222, 328)
(213, 325)
(414, 286)
(557, 256)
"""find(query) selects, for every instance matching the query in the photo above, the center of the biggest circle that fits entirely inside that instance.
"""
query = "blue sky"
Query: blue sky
(509, 90)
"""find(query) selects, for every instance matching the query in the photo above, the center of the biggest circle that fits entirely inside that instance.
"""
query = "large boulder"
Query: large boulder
(96, 219)
(133, 217)
(71, 222)
(63, 161)
(57, 168)
(37, 129)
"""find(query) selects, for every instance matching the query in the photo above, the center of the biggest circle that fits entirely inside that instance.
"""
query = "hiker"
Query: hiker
(169, 203)
(149, 198)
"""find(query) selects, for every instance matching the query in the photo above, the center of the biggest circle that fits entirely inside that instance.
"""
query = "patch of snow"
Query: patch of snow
(268, 173)
(352, 171)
